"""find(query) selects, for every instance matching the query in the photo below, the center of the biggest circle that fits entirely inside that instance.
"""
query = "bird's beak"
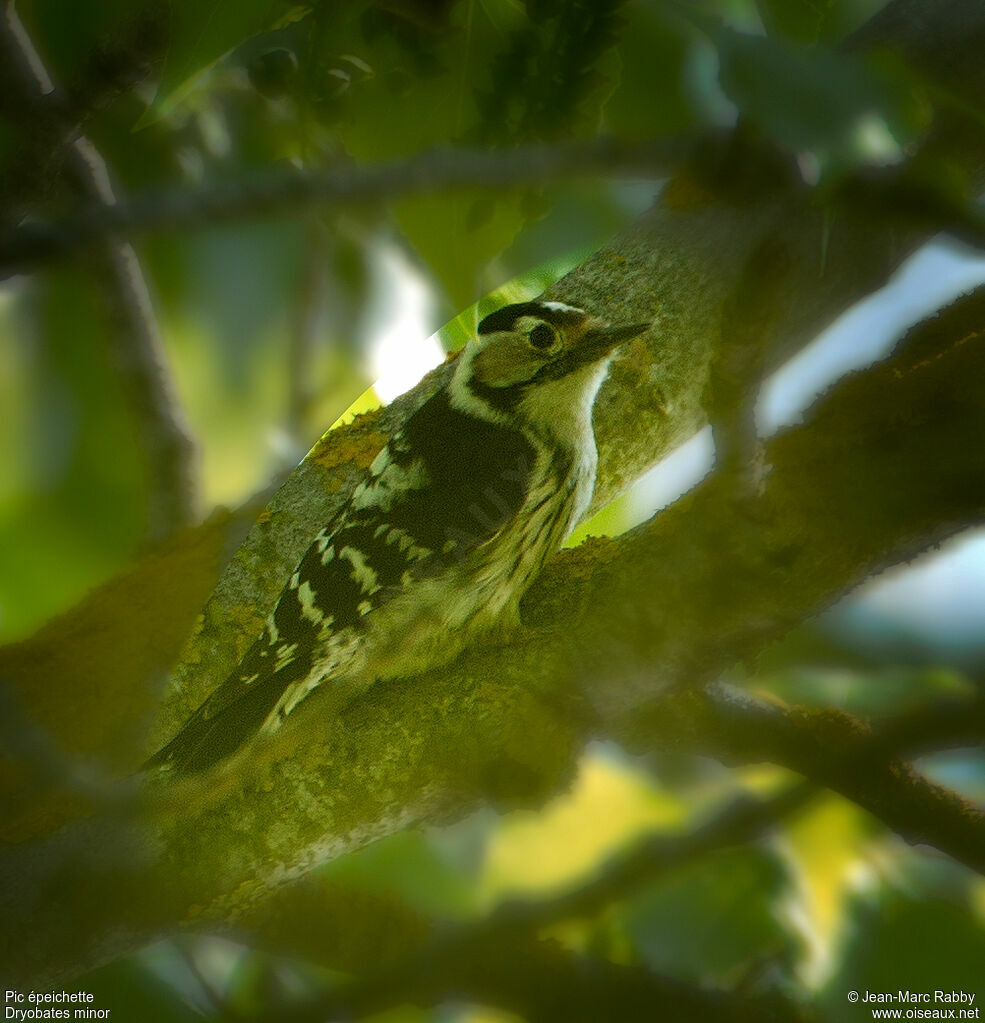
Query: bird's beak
(594, 346)
(598, 342)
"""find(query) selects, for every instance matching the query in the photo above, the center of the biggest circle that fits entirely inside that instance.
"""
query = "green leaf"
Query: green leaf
(805, 98)
(504, 15)
(455, 247)
(444, 89)
(718, 919)
(68, 33)
(902, 939)
(828, 843)
(199, 35)
(70, 514)
(455, 235)
(816, 21)
(803, 20)
(651, 95)
(129, 990)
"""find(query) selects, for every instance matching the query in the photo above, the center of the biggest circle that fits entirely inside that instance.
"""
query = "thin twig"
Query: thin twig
(436, 170)
(543, 982)
(830, 747)
(137, 350)
(442, 963)
(947, 724)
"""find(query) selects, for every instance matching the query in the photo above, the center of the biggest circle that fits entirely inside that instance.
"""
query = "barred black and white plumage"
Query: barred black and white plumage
(437, 547)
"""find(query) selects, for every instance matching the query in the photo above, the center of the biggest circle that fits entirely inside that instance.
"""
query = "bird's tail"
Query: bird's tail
(226, 721)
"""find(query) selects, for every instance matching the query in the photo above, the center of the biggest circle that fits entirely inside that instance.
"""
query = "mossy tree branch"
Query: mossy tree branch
(611, 625)
(398, 957)
(683, 266)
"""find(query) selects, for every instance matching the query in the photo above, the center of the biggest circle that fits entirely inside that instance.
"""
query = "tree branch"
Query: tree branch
(137, 349)
(458, 959)
(672, 603)
(690, 592)
(948, 724)
(829, 747)
(726, 724)
(544, 983)
(438, 170)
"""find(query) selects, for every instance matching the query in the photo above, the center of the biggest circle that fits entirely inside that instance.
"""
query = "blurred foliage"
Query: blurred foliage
(268, 327)
(255, 85)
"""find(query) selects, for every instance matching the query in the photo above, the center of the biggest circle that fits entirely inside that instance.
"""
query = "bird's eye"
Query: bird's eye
(542, 337)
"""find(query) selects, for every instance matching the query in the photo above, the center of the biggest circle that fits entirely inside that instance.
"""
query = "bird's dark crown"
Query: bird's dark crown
(555, 313)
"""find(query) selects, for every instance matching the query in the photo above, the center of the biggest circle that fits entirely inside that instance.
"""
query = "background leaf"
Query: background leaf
(199, 34)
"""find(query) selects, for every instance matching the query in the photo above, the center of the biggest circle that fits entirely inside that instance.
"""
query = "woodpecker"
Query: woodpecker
(435, 549)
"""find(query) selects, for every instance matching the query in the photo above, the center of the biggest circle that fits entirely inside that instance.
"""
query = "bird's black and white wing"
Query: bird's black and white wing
(445, 485)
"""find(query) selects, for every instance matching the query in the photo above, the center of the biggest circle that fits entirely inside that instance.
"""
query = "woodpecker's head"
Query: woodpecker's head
(539, 362)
